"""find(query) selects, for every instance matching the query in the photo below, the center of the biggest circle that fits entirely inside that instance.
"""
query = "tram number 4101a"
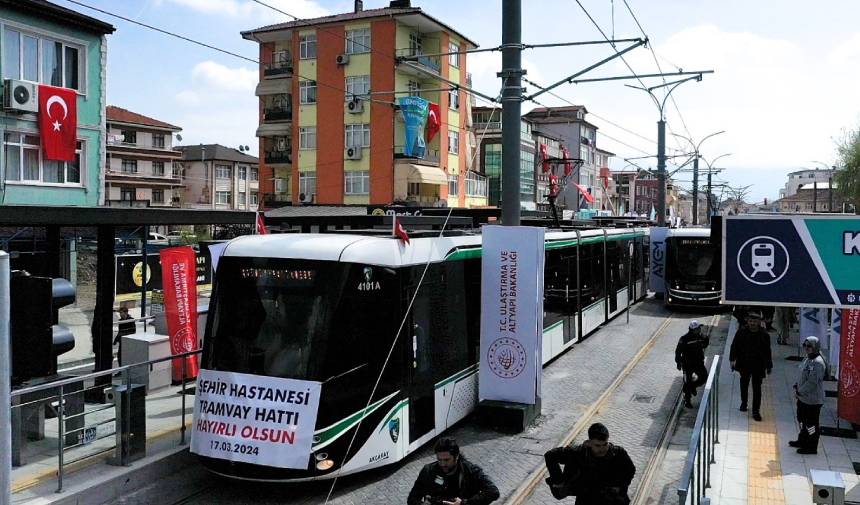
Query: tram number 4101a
(218, 445)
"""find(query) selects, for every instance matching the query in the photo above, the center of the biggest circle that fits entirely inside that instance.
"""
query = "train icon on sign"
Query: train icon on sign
(763, 260)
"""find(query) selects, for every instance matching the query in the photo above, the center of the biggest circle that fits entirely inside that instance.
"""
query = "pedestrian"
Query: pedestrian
(126, 327)
(595, 471)
(750, 356)
(809, 391)
(690, 358)
(452, 480)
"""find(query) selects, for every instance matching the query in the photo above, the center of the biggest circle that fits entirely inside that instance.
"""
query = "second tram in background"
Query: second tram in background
(693, 275)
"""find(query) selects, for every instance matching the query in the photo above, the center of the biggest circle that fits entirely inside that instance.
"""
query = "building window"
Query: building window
(413, 189)
(126, 194)
(177, 169)
(41, 59)
(282, 144)
(158, 140)
(223, 172)
(255, 198)
(22, 158)
(454, 98)
(476, 185)
(158, 168)
(307, 185)
(453, 142)
(223, 197)
(454, 57)
(255, 175)
(415, 44)
(308, 46)
(243, 173)
(358, 41)
(129, 166)
(307, 92)
(357, 135)
(280, 185)
(129, 137)
(453, 185)
(308, 137)
(356, 183)
(157, 196)
(242, 199)
(414, 88)
(357, 86)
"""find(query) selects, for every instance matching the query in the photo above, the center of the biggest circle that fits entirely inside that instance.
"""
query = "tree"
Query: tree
(848, 176)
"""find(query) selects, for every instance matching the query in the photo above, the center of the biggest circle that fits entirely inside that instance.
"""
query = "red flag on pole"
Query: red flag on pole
(58, 122)
(434, 121)
(398, 230)
(179, 279)
(848, 403)
(544, 155)
(582, 189)
(261, 224)
(568, 168)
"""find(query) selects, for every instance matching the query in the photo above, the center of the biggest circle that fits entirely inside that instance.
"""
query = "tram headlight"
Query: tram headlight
(325, 464)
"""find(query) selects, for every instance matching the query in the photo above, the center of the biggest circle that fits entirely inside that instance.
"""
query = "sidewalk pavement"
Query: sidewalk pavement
(754, 464)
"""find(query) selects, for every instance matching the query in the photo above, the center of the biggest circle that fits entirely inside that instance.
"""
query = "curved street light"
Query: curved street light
(696, 170)
(710, 173)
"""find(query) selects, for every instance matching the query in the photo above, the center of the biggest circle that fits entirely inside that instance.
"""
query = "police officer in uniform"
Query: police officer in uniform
(690, 357)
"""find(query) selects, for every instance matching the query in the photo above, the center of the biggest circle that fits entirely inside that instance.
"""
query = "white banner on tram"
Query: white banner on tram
(657, 281)
(254, 419)
(511, 313)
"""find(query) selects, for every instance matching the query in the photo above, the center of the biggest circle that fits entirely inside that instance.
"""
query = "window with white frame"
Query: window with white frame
(357, 135)
(415, 44)
(129, 166)
(39, 58)
(223, 171)
(282, 144)
(356, 183)
(358, 41)
(157, 196)
(243, 173)
(308, 184)
(255, 175)
(454, 98)
(308, 46)
(476, 184)
(414, 88)
(280, 185)
(22, 160)
(453, 185)
(255, 198)
(357, 86)
(454, 57)
(307, 92)
(242, 199)
(158, 140)
(453, 142)
(158, 168)
(223, 197)
(308, 137)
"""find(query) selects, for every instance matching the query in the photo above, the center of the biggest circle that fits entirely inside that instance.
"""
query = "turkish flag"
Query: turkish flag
(261, 224)
(399, 231)
(58, 122)
(544, 155)
(582, 189)
(434, 121)
(568, 168)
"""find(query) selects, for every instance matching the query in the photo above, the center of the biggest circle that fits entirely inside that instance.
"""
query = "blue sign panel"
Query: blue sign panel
(813, 261)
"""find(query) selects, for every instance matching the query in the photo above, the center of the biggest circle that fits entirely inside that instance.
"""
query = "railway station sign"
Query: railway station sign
(254, 419)
(810, 261)
(512, 267)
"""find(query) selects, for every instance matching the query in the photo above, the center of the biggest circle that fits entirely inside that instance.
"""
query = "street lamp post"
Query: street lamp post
(710, 173)
(696, 170)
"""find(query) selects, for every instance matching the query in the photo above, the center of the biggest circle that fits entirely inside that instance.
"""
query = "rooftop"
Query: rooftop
(215, 152)
(47, 10)
(120, 115)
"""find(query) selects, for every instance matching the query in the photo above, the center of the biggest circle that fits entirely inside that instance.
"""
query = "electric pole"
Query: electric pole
(511, 75)
(696, 155)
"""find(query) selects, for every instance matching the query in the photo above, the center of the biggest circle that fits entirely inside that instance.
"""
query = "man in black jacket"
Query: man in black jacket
(452, 480)
(596, 472)
(690, 357)
(750, 356)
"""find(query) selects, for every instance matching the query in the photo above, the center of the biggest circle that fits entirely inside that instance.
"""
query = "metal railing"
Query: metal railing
(706, 433)
(63, 391)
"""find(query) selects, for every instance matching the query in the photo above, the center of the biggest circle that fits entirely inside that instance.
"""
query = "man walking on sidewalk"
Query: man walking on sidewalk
(690, 357)
(809, 391)
(750, 356)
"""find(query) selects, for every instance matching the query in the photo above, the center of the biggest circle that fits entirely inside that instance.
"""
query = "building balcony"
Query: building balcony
(115, 142)
(430, 157)
(272, 157)
(278, 69)
(277, 114)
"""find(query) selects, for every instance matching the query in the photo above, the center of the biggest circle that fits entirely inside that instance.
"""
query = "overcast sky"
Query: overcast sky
(784, 88)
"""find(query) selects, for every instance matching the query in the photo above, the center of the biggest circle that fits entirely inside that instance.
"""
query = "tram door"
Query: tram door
(422, 414)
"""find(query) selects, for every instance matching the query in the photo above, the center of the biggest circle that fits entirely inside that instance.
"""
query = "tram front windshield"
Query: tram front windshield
(691, 259)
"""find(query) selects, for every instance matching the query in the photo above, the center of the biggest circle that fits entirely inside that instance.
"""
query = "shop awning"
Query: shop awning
(423, 174)
(273, 129)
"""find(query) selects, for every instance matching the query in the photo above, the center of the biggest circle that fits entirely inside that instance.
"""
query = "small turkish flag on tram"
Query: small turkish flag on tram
(58, 122)
(261, 224)
(399, 231)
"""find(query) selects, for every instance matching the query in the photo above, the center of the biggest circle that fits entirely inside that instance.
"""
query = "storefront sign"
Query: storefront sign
(254, 419)
(512, 266)
(129, 272)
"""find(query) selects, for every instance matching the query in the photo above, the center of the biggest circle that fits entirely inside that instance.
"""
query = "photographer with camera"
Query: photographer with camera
(452, 480)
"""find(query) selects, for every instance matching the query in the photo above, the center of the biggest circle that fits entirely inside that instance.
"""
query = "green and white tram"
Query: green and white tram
(326, 307)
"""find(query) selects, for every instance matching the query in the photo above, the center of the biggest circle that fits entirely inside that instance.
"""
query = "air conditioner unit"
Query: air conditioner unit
(305, 198)
(342, 59)
(353, 153)
(21, 96)
(355, 106)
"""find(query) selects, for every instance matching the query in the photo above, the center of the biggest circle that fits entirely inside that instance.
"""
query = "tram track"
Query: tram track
(525, 490)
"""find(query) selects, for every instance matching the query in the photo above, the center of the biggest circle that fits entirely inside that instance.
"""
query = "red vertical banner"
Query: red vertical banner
(179, 279)
(848, 404)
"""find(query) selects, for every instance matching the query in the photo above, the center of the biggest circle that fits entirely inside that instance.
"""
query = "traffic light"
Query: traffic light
(37, 339)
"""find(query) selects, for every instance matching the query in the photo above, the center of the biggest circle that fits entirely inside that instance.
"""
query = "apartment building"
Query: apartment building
(142, 167)
(330, 130)
(219, 178)
(799, 178)
(487, 127)
(46, 44)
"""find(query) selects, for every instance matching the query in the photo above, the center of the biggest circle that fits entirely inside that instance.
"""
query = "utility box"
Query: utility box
(143, 347)
(827, 487)
(130, 404)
